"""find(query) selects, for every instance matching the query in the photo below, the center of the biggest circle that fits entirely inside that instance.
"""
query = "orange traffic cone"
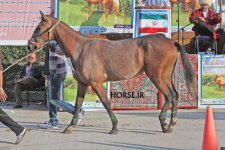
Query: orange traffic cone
(209, 137)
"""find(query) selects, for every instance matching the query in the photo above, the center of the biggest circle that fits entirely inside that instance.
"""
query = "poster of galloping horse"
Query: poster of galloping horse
(96, 16)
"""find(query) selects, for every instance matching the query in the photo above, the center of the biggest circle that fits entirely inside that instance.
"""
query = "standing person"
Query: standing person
(32, 78)
(57, 71)
(4, 118)
(158, 4)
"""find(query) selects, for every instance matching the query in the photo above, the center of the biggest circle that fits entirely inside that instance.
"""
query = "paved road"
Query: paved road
(138, 130)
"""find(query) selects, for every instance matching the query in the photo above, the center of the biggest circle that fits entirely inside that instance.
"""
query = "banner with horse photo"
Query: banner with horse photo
(97, 16)
(212, 81)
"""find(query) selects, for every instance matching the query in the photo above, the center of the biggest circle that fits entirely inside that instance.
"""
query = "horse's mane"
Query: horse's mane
(70, 27)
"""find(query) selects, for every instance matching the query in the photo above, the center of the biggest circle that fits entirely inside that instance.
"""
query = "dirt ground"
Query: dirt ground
(138, 130)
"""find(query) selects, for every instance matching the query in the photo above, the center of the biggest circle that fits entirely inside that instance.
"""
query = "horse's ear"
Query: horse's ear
(52, 14)
(42, 15)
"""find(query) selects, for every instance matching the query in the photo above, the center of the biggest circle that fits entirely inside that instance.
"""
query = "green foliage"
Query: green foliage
(72, 1)
(210, 92)
(75, 14)
(70, 82)
(183, 17)
(125, 7)
(207, 79)
(70, 95)
(13, 53)
(70, 91)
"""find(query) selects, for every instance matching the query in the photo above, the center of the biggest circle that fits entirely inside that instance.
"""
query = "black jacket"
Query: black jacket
(36, 72)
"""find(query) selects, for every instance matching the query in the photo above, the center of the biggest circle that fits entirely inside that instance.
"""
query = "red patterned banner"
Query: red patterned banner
(140, 93)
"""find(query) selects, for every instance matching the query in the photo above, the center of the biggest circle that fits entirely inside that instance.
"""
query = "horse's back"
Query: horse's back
(123, 59)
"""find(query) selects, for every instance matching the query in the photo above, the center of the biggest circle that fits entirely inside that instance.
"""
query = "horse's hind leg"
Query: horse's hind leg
(106, 10)
(174, 106)
(161, 83)
(99, 89)
(162, 115)
(116, 18)
(81, 90)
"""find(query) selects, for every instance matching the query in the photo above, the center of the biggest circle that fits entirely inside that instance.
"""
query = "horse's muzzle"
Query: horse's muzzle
(32, 45)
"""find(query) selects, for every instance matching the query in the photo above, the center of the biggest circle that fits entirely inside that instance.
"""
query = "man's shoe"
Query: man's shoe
(20, 136)
(18, 106)
(80, 115)
(60, 109)
(48, 125)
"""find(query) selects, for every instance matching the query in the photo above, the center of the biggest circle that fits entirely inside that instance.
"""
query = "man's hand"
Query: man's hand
(219, 16)
(3, 95)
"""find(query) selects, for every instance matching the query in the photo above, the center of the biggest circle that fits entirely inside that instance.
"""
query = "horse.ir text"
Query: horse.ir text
(127, 94)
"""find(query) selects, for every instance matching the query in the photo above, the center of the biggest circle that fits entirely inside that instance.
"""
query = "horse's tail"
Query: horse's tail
(116, 7)
(189, 72)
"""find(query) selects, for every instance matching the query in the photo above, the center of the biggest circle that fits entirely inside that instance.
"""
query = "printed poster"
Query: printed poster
(99, 16)
(212, 81)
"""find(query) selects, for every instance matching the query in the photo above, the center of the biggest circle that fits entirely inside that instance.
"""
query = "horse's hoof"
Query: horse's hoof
(173, 122)
(114, 131)
(167, 129)
(68, 130)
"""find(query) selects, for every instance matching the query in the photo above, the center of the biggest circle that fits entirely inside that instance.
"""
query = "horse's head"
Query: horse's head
(216, 77)
(43, 32)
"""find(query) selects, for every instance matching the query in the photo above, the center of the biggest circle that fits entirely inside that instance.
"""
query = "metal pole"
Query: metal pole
(221, 12)
(178, 21)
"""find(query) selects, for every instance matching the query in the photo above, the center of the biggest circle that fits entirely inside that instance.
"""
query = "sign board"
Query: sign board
(151, 21)
(19, 18)
(211, 78)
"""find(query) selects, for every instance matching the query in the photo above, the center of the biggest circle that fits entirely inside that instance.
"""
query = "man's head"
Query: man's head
(32, 58)
(205, 4)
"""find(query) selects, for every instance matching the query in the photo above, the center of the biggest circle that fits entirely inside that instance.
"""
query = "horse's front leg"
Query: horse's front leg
(100, 91)
(81, 90)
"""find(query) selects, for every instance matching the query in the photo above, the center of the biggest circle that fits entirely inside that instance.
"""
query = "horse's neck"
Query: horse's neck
(69, 40)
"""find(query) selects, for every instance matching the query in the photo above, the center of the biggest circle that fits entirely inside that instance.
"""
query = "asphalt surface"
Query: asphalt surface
(138, 130)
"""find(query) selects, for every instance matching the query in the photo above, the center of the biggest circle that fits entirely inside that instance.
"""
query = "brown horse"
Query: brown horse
(96, 61)
(114, 4)
(189, 4)
(220, 81)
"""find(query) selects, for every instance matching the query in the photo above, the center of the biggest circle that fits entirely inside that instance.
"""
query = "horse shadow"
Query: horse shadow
(91, 26)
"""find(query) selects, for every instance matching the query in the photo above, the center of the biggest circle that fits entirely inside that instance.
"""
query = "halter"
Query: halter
(48, 30)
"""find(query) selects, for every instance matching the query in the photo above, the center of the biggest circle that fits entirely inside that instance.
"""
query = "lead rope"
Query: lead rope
(37, 50)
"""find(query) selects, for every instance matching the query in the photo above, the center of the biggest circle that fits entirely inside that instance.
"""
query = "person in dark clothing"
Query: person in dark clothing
(32, 78)
(204, 19)
(4, 118)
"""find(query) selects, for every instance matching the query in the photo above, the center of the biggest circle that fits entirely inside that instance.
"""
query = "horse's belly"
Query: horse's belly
(122, 75)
